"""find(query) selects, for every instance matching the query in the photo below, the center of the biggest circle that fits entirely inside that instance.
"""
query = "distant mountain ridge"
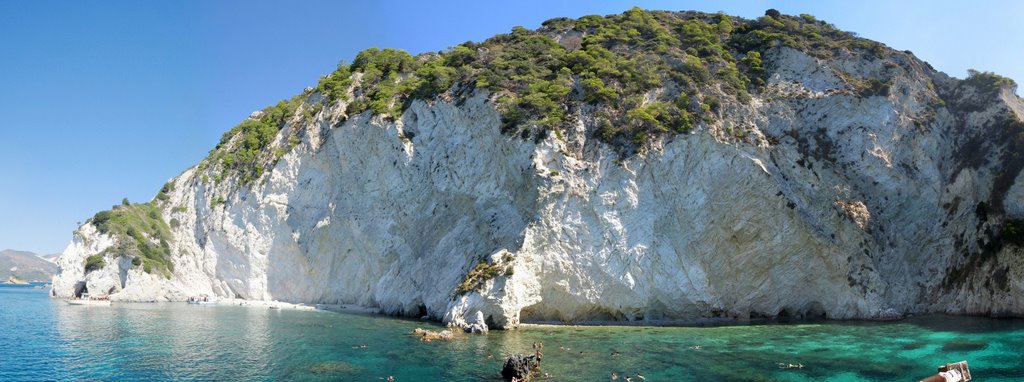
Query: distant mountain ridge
(26, 265)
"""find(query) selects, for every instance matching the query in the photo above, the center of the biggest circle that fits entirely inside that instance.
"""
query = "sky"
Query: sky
(105, 100)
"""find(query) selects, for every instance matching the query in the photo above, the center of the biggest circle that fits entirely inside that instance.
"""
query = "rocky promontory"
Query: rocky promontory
(638, 167)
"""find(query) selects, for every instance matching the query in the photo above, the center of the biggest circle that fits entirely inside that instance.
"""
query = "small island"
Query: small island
(12, 279)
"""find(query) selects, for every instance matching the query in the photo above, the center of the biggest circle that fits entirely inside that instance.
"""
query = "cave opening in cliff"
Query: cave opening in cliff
(80, 288)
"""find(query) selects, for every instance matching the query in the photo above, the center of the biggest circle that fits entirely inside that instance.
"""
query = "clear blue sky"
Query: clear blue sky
(104, 100)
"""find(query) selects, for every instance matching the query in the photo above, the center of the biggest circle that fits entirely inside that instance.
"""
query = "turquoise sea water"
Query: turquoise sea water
(43, 339)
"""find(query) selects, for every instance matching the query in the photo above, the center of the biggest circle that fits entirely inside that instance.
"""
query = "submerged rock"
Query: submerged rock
(334, 368)
(963, 346)
(429, 335)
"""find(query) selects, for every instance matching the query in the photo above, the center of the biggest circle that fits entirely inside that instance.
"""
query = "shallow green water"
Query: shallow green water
(46, 339)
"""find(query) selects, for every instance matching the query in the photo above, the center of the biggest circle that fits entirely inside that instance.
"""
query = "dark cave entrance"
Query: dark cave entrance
(80, 288)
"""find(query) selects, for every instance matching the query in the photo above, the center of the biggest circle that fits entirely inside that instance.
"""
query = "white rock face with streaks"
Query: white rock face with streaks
(812, 200)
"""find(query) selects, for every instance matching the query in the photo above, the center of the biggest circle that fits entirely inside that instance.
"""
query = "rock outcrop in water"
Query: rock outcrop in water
(761, 168)
(478, 326)
(520, 367)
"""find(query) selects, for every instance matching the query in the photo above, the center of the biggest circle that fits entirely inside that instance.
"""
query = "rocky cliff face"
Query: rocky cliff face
(817, 197)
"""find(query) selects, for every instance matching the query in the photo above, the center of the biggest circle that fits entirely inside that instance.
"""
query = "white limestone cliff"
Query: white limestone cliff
(812, 200)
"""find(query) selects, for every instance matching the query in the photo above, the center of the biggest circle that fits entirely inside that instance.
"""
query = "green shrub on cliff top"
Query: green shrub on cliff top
(988, 81)
(335, 86)
(140, 232)
(94, 262)
(541, 78)
(243, 149)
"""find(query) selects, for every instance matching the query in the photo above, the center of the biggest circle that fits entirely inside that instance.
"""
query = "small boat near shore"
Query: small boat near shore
(201, 300)
(86, 299)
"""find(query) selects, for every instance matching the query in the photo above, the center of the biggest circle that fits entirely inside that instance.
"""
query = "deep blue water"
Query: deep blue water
(44, 339)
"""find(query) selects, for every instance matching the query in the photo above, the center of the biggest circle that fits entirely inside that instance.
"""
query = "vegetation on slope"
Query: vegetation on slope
(243, 150)
(484, 271)
(989, 82)
(1013, 232)
(643, 74)
(140, 233)
(94, 262)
